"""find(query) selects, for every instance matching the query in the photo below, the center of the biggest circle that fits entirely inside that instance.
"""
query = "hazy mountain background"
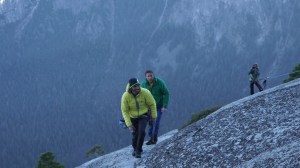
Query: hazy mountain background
(64, 65)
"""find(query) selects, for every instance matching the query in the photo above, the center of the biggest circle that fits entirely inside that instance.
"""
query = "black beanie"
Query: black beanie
(132, 82)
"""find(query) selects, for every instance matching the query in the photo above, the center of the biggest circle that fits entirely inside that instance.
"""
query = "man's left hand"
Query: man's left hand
(163, 109)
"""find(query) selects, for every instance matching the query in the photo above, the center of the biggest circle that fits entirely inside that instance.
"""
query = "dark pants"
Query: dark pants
(139, 134)
(154, 126)
(252, 87)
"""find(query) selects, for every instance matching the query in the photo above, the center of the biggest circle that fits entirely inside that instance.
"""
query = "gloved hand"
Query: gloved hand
(151, 120)
(131, 129)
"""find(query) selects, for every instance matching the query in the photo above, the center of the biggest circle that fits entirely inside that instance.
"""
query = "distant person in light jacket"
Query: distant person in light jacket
(160, 92)
(135, 104)
(253, 77)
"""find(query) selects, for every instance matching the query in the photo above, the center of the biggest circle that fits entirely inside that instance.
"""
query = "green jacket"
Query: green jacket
(129, 105)
(254, 74)
(159, 91)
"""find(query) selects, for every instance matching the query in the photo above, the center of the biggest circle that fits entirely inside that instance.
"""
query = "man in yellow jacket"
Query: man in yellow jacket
(135, 104)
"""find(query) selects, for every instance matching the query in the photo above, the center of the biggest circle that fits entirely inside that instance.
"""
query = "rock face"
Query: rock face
(262, 130)
(123, 157)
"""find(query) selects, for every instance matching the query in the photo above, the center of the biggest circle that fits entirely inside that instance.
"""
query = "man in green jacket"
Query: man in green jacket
(160, 92)
(135, 104)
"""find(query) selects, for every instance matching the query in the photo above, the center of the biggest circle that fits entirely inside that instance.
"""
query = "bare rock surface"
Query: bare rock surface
(262, 130)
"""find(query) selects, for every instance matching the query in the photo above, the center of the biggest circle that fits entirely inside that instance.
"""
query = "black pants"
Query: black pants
(252, 87)
(139, 135)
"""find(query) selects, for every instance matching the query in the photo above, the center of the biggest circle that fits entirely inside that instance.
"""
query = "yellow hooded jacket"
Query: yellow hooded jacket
(129, 108)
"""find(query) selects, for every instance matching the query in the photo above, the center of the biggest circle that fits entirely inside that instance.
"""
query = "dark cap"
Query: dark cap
(132, 82)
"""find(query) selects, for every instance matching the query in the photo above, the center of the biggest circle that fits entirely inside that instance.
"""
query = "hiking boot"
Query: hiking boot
(133, 153)
(138, 154)
(155, 138)
(150, 142)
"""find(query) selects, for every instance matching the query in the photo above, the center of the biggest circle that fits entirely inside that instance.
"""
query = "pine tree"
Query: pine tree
(294, 74)
(97, 150)
(47, 161)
